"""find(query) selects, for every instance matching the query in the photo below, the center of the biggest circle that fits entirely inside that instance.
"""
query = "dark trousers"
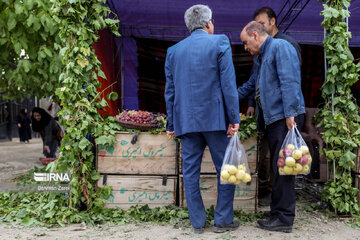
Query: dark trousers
(193, 145)
(265, 173)
(283, 189)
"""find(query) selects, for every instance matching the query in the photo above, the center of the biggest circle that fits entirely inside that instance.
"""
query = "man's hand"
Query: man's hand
(290, 122)
(19, 125)
(171, 133)
(233, 128)
(46, 148)
(250, 111)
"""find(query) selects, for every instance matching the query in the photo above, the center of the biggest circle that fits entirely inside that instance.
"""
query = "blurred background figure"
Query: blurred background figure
(48, 128)
(23, 123)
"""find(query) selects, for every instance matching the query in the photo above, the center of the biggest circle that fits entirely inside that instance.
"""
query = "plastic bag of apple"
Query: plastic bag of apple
(235, 168)
(294, 156)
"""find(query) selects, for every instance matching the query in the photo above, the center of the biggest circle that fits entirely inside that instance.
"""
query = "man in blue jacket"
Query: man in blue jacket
(203, 109)
(267, 17)
(280, 107)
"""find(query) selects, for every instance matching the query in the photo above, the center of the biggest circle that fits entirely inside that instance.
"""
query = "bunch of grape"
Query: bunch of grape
(142, 117)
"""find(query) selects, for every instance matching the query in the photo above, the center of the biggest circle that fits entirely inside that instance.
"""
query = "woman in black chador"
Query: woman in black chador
(44, 124)
(23, 123)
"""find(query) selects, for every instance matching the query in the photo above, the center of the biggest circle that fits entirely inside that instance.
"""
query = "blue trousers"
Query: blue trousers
(193, 145)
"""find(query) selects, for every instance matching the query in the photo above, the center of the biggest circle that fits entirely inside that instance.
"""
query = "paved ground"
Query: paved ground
(17, 158)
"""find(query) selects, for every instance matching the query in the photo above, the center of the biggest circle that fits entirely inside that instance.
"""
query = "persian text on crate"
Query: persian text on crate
(147, 146)
(140, 190)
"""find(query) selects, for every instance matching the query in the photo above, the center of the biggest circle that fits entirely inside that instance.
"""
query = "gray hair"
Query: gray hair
(197, 16)
(256, 27)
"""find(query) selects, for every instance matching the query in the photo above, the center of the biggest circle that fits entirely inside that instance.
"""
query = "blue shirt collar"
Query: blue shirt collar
(199, 31)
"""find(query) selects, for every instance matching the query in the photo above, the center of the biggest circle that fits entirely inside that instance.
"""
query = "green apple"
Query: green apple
(290, 162)
(225, 174)
(281, 154)
(240, 175)
(291, 146)
(232, 170)
(247, 178)
(281, 171)
(309, 158)
(288, 170)
(304, 149)
(305, 169)
(297, 154)
(232, 179)
(298, 168)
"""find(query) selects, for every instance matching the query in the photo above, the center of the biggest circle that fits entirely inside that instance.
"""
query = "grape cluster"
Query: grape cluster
(142, 117)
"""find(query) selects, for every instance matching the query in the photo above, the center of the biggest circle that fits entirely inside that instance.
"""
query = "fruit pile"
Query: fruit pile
(230, 174)
(142, 117)
(294, 161)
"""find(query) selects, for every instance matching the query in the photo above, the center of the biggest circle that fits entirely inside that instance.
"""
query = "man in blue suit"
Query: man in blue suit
(203, 109)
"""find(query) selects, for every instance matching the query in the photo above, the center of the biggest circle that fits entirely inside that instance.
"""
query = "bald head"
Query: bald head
(253, 35)
(255, 27)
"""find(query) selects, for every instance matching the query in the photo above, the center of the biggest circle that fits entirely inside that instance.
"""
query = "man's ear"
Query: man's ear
(272, 21)
(208, 25)
(255, 35)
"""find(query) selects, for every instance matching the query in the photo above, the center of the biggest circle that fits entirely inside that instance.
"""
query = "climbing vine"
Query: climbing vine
(29, 44)
(339, 117)
(58, 45)
(79, 21)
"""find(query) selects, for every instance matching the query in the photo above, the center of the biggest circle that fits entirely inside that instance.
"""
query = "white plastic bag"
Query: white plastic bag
(235, 169)
(294, 156)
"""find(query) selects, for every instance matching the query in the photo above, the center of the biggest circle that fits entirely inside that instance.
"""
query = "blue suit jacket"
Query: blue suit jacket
(200, 91)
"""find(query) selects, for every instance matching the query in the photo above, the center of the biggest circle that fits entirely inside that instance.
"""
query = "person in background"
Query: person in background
(267, 17)
(48, 128)
(23, 123)
(203, 109)
(280, 107)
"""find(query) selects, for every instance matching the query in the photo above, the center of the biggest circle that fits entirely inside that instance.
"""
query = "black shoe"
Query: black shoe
(227, 227)
(198, 230)
(267, 214)
(275, 224)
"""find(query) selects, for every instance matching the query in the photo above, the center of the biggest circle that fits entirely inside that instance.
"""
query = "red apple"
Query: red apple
(303, 160)
(287, 152)
(281, 162)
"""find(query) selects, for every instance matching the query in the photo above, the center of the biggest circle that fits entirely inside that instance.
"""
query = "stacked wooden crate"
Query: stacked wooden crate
(245, 193)
(142, 169)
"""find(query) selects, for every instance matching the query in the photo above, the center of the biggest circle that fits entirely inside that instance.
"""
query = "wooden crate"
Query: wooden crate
(245, 194)
(207, 165)
(151, 154)
(140, 190)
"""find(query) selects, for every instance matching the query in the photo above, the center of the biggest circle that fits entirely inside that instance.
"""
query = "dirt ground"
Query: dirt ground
(307, 226)
(17, 158)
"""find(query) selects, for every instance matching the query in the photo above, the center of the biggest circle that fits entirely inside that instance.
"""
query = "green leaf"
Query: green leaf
(27, 65)
(101, 74)
(105, 140)
(111, 21)
(83, 143)
(11, 23)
